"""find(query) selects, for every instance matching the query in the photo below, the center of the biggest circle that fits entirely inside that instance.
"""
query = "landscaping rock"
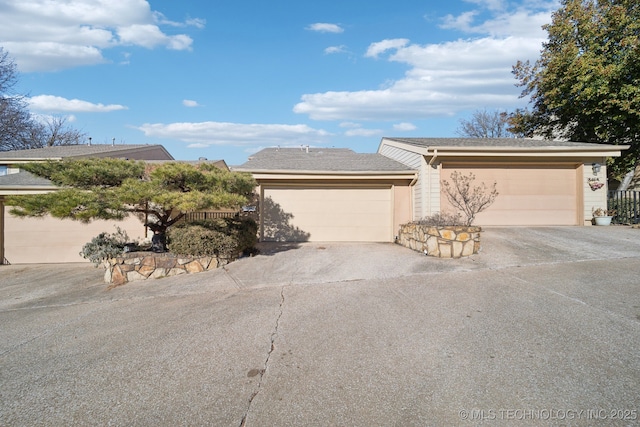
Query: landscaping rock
(135, 266)
(443, 242)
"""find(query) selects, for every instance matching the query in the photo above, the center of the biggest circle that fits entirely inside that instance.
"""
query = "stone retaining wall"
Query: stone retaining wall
(150, 265)
(443, 242)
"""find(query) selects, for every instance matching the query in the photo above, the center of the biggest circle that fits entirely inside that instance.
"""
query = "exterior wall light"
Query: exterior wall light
(596, 168)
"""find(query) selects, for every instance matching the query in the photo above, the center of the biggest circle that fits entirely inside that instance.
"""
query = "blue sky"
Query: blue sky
(222, 79)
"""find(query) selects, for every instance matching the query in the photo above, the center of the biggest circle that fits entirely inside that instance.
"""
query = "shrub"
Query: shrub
(441, 219)
(105, 246)
(225, 237)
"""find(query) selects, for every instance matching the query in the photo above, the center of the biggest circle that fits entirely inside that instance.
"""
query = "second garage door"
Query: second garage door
(528, 194)
(358, 214)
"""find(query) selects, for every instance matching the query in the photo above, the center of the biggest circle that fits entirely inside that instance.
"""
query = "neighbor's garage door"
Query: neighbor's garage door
(359, 214)
(528, 195)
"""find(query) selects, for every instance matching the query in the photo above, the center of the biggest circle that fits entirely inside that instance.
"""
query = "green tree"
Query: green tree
(586, 84)
(159, 194)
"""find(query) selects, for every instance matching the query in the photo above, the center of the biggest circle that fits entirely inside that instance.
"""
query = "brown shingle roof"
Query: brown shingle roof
(65, 151)
(23, 178)
(320, 160)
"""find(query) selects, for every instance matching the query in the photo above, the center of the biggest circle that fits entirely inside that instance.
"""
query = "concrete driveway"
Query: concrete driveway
(541, 328)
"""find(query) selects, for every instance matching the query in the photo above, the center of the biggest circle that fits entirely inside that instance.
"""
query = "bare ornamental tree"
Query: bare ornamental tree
(469, 199)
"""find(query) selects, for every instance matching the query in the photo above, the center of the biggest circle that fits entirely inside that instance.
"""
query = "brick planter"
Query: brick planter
(443, 242)
(150, 265)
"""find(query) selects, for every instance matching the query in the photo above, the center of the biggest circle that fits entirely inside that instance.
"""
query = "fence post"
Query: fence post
(627, 206)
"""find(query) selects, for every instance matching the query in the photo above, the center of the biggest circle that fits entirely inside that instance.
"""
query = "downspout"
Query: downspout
(1, 230)
(433, 159)
(412, 193)
(261, 213)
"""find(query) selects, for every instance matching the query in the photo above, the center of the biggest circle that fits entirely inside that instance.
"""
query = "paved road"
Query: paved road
(541, 328)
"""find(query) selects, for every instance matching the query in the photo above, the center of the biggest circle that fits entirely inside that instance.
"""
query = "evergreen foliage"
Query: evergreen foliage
(159, 194)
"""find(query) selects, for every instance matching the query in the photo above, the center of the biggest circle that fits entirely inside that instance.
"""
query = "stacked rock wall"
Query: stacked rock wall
(443, 242)
(150, 265)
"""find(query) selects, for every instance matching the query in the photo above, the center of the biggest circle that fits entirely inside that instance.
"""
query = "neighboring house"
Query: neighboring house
(47, 240)
(329, 194)
(540, 182)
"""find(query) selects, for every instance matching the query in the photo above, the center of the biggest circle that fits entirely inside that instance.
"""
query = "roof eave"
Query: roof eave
(605, 151)
(5, 160)
(601, 150)
(323, 172)
(16, 190)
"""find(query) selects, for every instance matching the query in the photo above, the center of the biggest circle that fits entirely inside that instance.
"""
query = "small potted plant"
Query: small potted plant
(603, 216)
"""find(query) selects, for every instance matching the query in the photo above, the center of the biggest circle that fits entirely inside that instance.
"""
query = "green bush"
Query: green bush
(225, 237)
(105, 246)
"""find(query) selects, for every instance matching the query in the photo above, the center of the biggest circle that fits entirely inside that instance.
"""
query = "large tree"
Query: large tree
(586, 84)
(19, 129)
(159, 194)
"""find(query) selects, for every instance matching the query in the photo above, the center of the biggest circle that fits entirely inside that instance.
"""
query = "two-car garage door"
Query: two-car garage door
(319, 213)
(528, 194)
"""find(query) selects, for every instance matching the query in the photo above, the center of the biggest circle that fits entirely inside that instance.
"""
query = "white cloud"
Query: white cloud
(238, 134)
(150, 36)
(525, 21)
(490, 4)
(336, 49)
(350, 125)
(445, 78)
(57, 104)
(404, 127)
(42, 35)
(323, 27)
(378, 48)
(160, 19)
(190, 103)
(363, 132)
(462, 22)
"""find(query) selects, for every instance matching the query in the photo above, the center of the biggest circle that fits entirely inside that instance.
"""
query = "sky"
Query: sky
(223, 79)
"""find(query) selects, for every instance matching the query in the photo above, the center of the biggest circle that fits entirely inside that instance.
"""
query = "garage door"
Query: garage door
(327, 214)
(50, 240)
(529, 194)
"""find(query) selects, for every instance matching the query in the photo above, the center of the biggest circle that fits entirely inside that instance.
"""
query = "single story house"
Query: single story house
(328, 194)
(49, 240)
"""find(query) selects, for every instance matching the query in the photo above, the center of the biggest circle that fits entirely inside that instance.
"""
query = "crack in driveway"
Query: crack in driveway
(262, 371)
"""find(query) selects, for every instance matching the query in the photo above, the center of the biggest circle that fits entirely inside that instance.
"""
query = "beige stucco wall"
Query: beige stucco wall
(50, 240)
(593, 199)
(402, 206)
